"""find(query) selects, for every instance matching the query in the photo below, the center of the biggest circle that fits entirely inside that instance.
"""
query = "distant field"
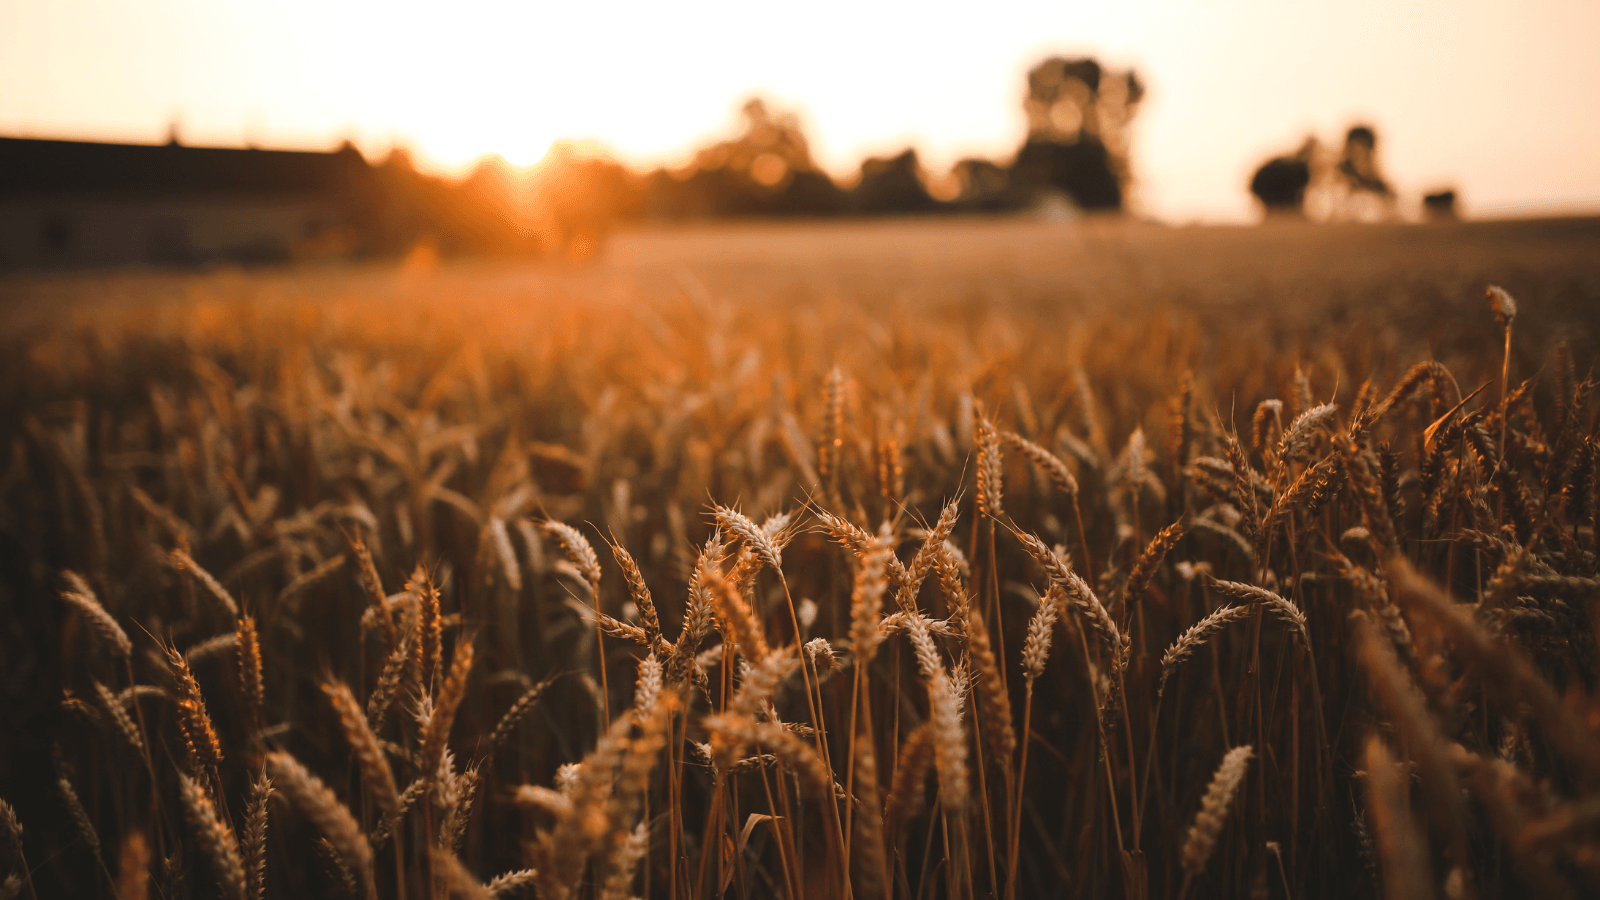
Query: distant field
(1298, 280)
(952, 559)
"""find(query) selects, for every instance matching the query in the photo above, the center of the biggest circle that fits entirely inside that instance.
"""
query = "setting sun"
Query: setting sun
(1491, 97)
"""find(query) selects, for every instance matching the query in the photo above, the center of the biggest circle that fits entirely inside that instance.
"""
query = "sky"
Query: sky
(1496, 99)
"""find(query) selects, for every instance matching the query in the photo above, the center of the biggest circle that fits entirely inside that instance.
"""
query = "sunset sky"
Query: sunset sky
(1499, 99)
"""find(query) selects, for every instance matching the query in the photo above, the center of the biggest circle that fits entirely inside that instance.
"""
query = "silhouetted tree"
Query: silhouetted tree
(982, 185)
(892, 185)
(1078, 132)
(1280, 183)
(1343, 186)
(1365, 193)
(1440, 206)
(766, 170)
(468, 217)
(575, 197)
(1083, 170)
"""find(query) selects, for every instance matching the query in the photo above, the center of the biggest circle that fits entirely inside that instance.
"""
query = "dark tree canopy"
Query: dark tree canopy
(892, 184)
(1079, 115)
(1083, 170)
(1348, 185)
(1358, 163)
(766, 169)
(1280, 183)
(1440, 206)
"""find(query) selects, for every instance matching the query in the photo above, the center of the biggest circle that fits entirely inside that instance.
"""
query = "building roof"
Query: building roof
(30, 167)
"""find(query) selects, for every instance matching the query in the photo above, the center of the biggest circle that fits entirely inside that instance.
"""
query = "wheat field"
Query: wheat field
(952, 559)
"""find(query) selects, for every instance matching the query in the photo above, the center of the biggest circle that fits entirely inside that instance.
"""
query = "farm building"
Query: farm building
(75, 203)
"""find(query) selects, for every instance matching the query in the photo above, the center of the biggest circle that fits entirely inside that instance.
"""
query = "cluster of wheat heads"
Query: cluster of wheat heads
(369, 619)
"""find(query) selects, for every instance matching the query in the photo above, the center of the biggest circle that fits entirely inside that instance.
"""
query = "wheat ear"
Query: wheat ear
(317, 802)
(1213, 813)
(1145, 568)
(1304, 429)
(580, 552)
(1046, 462)
(364, 744)
(451, 693)
(866, 597)
(1407, 871)
(752, 535)
(989, 469)
(520, 708)
(1277, 605)
(215, 837)
(249, 652)
(119, 717)
(1195, 637)
(1041, 628)
(641, 598)
(910, 774)
(82, 598)
(255, 837)
(511, 881)
(183, 562)
(199, 737)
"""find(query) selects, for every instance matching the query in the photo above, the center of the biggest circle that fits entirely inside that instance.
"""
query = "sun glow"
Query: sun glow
(1230, 83)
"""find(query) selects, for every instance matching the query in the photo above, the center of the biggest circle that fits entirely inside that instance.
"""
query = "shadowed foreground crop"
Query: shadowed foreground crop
(930, 562)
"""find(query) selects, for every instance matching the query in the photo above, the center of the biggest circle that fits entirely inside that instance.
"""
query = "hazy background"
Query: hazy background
(1498, 99)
